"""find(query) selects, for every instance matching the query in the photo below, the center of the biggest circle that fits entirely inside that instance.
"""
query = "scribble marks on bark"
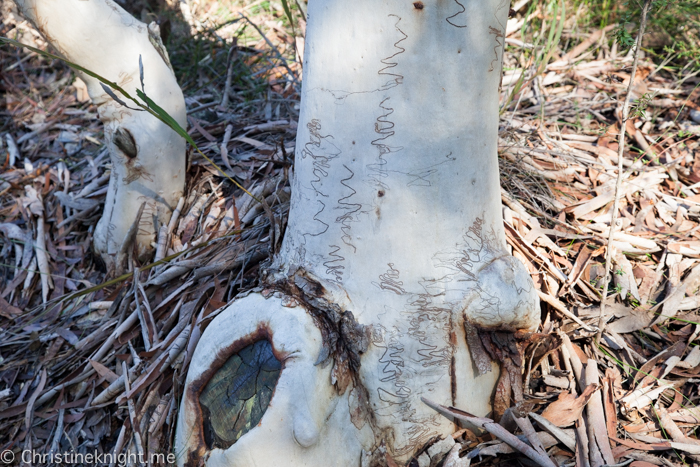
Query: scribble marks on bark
(422, 175)
(334, 266)
(390, 61)
(322, 151)
(145, 226)
(417, 354)
(350, 209)
(390, 281)
(341, 95)
(325, 226)
(384, 127)
(458, 20)
(477, 249)
(498, 33)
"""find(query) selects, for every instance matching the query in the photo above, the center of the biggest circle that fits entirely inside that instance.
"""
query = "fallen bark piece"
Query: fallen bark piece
(557, 381)
(624, 277)
(562, 435)
(596, 416)
(611, 421)
(585, 44)
(495, 429)
(642, 397)
(688, 415)
(438, 450)
(532, 437)
(650, 446)
(8, 311)
(634, 321)
(544, 439)
(691, 360)
(559, 306)
(686, 248)
(676, 434)
(685, 446)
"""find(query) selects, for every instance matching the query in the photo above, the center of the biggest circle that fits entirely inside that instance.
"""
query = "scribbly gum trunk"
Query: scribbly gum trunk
(397, 196)
(395, 233)
(148, 158)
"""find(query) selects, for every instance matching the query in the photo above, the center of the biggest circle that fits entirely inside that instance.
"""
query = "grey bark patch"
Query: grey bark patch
(125, 141)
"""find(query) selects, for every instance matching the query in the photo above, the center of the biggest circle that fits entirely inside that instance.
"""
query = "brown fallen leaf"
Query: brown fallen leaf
(7, 310)
(103, 371)
(568, 408)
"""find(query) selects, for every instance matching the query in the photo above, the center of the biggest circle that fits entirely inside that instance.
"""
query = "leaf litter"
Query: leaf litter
(91, 363)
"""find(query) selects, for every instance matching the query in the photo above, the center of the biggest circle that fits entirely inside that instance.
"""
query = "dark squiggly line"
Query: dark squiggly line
(457, 14)
(499, 33)
(390, 281)
(340, 95)
(432, 355)
(426, 323)
(476, 248)
(385, 128)
(393, 369)
(335, 270)
(395, 359)
(498, 45)
(110, 231)
(418, 434)
(321, 161)
(398, 78)
(351, 210)
(323, 208)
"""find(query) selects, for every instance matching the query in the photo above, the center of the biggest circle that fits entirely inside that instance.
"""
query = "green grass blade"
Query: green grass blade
(288, 12)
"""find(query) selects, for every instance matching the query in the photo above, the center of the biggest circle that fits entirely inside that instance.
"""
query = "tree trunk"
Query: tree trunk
(395, 243)
(148, 158)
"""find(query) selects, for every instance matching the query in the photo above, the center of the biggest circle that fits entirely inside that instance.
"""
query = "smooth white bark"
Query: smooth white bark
(396, 212)
(148, 158)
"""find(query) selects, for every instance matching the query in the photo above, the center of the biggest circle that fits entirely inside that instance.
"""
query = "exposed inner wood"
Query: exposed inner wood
(237, 396)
